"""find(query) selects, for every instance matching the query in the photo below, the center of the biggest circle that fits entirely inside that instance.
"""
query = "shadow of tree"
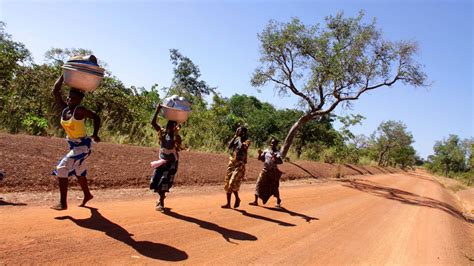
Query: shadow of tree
(421, 177)
(404, 197)
(353, 168)
(227, 234)
(146, 248)
(308, 219)
(256, 216)
(300, 167)
(385, 171)
(365, 168)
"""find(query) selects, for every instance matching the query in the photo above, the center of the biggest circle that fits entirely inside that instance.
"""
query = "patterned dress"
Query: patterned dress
(268, 181)
(236, 168)
(74, 162)
(163, 176)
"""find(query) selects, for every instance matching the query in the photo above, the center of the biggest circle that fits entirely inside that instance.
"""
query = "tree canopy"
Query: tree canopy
(332, 65)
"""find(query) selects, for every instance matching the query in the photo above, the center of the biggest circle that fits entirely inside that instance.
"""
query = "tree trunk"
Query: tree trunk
(292, 133)
(381, 156)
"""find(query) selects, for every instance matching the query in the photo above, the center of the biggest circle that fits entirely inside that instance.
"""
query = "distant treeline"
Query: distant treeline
(26, 106)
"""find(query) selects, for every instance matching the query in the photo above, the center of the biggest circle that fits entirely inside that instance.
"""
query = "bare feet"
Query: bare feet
(86, 199)
(160, 208)
(253, 203)
(278, 205)
(237, 203)
(227, 206)
(59, 207)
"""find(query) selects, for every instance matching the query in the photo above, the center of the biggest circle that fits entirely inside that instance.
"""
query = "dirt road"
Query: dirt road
(383, 219)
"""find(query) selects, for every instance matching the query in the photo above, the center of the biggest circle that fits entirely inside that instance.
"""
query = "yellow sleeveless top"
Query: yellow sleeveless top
(75, 129)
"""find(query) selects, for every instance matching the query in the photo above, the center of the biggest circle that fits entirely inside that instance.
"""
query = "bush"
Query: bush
(34, 125)
(365, 160)
(329, 155)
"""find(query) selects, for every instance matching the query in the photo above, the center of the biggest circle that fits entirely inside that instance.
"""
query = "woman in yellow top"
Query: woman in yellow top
(73, 164)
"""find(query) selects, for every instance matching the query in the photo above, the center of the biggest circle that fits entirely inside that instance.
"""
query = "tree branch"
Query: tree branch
(292, 85)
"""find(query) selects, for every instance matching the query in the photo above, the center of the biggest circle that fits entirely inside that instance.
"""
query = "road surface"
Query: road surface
(384, 219)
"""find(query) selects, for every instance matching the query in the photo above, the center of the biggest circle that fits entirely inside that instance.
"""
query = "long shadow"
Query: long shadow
(6, 203)
(308, 219)
(300, 167)
(256, 216)
(353, 168)
(421, 177)
(115, 231)
(368, 171)
(405, 197)
(227, 234)
(381, 169)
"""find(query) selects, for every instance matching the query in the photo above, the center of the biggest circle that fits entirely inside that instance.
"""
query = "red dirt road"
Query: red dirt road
(383, 219)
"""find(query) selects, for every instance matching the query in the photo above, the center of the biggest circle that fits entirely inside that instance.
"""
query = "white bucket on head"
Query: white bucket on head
(81, 80)
(176, 108)
(174, 114)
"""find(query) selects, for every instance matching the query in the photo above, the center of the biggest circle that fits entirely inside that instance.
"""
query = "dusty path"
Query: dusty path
(385, 219)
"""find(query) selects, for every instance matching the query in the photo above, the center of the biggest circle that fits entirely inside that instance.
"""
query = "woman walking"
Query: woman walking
(238, 147)
(170, 144)
(73, 164)
(269, 179)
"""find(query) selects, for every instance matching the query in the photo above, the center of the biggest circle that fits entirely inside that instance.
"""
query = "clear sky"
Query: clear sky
(134, 38)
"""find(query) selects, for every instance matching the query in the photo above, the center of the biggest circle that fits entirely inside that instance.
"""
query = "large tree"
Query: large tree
(331, 65)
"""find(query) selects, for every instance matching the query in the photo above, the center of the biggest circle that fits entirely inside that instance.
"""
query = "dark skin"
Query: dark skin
(72, 101)
(171, 129)
(275, 159)
(273, 147)
(238, 133)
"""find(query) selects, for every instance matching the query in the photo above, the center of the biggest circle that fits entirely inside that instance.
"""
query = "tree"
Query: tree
(392, 144)
(334, 65)
(451, 154)
(186, 78)
(12, 55)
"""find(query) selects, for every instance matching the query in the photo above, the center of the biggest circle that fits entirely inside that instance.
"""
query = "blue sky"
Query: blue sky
(134, 38)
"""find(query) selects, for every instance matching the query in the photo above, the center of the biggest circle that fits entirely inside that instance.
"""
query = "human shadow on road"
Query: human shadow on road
(308, 219)
(404, 197)
(227, 234)
(149, 249)
(256, 216)
(5, 203)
